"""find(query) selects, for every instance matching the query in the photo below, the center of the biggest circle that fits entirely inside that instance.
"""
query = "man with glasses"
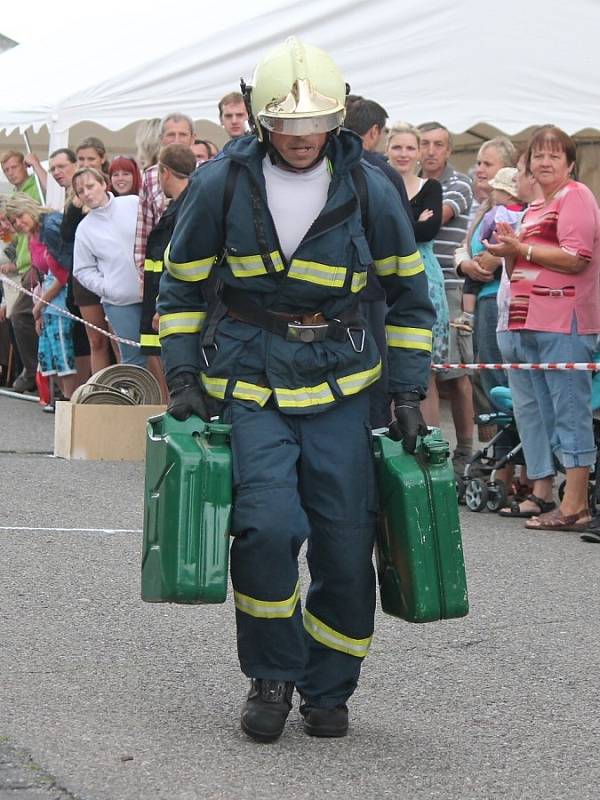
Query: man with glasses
(62, 165)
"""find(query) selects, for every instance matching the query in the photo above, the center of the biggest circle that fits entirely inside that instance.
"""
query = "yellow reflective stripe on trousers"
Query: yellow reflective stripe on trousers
(313, 272)
(149, 340)
(352, 384)
(251, 391)
(334, 639)
(359, 281)
(404, 266)
(267, 609)
(304, 397)
(215, 387)
(153, 266)
(415, 338)
(181, 322)
(190, 270)
(250, 266)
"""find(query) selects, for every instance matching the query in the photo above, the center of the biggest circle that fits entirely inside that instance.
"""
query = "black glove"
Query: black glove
(409, 422)
(187, 397)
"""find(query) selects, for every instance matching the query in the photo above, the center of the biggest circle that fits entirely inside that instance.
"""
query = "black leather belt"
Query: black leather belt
(298, 326)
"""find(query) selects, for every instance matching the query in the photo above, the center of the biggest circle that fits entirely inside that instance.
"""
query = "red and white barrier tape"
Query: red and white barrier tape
(68, 314)
(557, 366)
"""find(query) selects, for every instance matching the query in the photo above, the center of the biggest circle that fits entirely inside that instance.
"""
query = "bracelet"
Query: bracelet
(529, 252)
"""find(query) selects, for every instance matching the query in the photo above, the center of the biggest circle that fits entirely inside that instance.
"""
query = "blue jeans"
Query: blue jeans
(553, 410)
(125, 322)
(485, 344)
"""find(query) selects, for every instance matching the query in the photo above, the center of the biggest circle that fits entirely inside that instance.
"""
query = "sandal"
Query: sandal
(520, 491)
(557, 521)
(514, 509)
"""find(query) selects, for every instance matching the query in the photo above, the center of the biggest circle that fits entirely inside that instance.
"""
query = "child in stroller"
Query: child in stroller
(480, 487)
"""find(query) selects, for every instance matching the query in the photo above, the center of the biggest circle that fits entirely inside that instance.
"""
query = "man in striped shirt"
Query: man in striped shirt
(436, 147)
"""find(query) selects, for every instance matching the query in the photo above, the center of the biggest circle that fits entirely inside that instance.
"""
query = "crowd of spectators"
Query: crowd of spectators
(512, 258)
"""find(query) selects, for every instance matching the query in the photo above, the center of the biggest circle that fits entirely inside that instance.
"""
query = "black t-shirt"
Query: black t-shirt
(429, 196)
(379, 160)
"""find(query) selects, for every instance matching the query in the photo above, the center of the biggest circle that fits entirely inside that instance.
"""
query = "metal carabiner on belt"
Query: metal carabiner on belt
(203, 347)
(357, 348)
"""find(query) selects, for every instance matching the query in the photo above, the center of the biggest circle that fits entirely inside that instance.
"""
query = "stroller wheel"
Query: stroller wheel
(476, 495)
(497, 495)
(460, 489)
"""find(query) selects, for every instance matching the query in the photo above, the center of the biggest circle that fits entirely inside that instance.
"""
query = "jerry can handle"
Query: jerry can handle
(432, 446)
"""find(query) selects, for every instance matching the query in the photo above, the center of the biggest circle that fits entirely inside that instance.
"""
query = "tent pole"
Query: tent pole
(37, 180)
(57, 139)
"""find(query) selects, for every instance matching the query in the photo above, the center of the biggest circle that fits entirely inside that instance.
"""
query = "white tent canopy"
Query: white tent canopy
(520, 65)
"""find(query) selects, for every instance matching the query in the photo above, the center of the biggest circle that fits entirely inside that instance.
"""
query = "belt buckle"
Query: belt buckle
(296, 332)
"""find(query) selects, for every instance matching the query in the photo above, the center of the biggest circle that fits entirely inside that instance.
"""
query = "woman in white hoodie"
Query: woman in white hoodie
(103, 257)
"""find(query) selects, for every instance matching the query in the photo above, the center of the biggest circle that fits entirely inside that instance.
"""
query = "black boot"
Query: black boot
(326, 722)
(266, 708)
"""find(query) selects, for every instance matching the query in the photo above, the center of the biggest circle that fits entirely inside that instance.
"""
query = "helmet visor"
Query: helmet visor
(302, 126)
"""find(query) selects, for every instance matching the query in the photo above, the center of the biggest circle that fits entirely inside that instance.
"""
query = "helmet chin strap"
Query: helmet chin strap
(279, 161)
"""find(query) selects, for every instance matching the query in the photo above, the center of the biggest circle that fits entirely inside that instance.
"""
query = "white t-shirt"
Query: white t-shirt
(295, 200)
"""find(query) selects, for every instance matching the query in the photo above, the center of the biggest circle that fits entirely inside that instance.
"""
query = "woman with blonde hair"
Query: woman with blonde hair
(147, 142)
(53, 260)
(103, 258)
(425, 196)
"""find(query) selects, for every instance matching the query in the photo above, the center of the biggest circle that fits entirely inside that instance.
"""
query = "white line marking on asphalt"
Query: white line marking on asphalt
(70, 530)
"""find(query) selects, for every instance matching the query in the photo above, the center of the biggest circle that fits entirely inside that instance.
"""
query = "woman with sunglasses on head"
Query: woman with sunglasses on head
(103, 258)
(51, 261)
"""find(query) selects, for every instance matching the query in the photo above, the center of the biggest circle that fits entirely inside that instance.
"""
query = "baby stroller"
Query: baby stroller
(479, 487)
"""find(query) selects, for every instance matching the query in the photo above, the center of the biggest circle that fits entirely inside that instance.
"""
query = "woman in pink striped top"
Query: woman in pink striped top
(554, 269)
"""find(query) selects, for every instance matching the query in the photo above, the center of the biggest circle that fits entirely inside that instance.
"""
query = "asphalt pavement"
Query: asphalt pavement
(103, 697)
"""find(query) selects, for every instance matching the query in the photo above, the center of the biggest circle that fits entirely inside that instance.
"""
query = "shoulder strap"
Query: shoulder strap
(230, 183)
(362, 190)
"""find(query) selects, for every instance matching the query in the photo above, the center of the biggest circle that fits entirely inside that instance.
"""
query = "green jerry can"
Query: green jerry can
(187, 510)
(418, 549)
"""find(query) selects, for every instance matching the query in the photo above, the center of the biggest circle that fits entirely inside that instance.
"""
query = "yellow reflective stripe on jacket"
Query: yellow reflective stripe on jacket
(404, 266)
(190, 270)
(359, 281)
(313, 272)
(415, 338)
(250, 266)
(267, 609)
(181, 322)
(334, 639)
(149, 340)
(251, 391)
(153, 266)
(215, 387)
(305, 397)
(352, 384)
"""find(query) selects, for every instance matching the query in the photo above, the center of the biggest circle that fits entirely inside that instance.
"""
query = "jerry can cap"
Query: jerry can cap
(435, 447)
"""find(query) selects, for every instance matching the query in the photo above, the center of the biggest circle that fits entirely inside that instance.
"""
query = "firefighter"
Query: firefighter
(287, 223)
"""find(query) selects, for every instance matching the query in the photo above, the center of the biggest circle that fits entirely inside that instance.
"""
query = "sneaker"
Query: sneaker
(325, 722)
(24, 384)
(266, 709)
